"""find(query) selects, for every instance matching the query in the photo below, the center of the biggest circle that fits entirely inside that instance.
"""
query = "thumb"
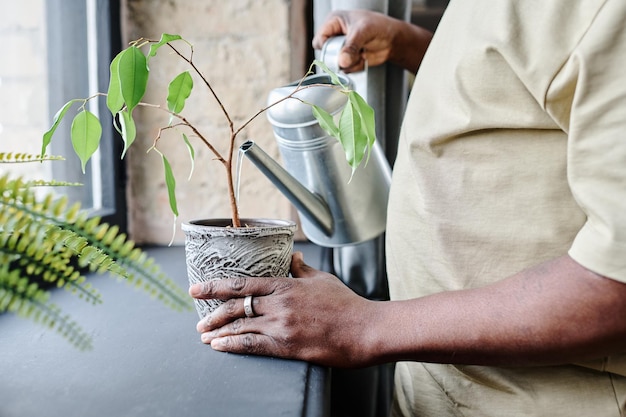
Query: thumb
(299, 269)
(350, 56)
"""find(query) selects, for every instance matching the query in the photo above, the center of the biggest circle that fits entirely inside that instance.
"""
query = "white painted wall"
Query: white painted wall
(23, 83)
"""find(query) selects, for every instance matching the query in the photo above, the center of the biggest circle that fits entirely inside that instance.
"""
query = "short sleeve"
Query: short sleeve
(588, 99)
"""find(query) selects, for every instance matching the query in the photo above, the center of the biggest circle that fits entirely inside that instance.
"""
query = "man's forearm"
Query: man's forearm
(557, 312)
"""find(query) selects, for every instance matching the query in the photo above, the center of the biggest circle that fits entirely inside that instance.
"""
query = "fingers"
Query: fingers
(227, 288)
(228, 312)
(299, 269)
(334, 26)
(237, 327)
(313, 316)
(249, 343)
(227, 329)
(337, 24)
(351, 58)
(285, 321)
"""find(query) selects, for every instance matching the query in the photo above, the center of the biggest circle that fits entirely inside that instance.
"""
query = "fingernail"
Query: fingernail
(195, 290)
(202, 324)
(345, 59)
(218, 344)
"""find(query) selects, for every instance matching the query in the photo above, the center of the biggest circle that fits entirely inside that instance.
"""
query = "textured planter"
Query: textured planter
(214, 250)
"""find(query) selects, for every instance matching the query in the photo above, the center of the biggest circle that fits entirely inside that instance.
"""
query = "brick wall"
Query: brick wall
(243, 48)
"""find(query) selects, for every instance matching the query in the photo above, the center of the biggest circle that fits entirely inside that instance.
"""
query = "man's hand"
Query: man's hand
(375, 38)
(554, 313)
(313, 317)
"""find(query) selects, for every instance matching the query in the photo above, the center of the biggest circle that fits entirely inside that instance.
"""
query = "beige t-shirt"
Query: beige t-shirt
(512, 152)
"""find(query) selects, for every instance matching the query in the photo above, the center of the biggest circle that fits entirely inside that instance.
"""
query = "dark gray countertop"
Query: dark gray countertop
(147, 360)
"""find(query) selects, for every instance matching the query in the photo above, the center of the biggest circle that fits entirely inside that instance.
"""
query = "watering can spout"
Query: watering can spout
(307, 203)
(336, 208)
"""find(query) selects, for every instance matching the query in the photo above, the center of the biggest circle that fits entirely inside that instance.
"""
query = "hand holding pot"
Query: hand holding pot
(312, 317)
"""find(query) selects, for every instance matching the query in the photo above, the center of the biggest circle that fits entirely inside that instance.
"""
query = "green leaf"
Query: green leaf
(85, 133)
(165, 38)
(129, 131)
(349, 124)
(192, 154)
(366, 137)
(333, 77)
(133, 75)
(170, 181)
(115, 101)
(325, 120)
(178, 91)
(47, 137)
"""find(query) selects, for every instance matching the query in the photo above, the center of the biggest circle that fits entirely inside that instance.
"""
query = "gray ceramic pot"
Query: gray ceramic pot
(214, 250)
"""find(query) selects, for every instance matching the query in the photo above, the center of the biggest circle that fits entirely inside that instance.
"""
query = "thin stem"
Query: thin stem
(298, 89)
(185, 122)
(204, 80)
(228, 161)
(234, 208)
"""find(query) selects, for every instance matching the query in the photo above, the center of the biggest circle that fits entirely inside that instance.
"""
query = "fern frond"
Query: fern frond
(48, 241)
(44, 222)
(20, 296)
(52, 183)
(140, 270)
(35, 249)
(21, 157)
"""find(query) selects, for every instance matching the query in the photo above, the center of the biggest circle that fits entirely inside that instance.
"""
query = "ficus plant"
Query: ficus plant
(129, 75)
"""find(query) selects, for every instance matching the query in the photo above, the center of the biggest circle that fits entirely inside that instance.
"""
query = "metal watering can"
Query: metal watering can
(335, 210)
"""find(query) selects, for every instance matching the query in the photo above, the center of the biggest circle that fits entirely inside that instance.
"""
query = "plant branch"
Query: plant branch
(204, 80)
(228, 161)
(185, 122)
(298, 89)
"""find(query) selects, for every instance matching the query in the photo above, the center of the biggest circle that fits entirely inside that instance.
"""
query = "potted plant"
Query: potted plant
(47, 243)
(128, 84)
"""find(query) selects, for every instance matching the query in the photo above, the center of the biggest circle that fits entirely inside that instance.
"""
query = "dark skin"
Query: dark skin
(556, 312)
(375, 38)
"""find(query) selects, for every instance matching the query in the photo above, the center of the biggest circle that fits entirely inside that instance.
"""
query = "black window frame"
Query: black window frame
(68, 36)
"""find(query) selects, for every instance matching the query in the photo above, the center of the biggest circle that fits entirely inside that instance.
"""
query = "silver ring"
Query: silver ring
(247, 306)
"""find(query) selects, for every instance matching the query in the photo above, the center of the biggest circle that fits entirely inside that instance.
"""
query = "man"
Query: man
(506, 238)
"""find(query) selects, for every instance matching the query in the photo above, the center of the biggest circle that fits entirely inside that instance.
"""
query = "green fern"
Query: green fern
(45, 242)
(20, 157)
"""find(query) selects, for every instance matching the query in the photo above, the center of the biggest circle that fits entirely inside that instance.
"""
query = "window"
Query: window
(57, 50)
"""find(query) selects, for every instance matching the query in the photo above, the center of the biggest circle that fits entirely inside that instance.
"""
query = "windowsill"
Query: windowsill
(147, 360)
